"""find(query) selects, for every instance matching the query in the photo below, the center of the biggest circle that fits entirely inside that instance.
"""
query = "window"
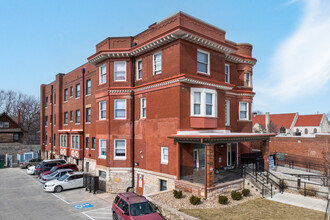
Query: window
(93, 143)
(16, 137)
(65, 95)
(1, 124)
(138, 69)
(54, 98)
(46, 120)
(46, 104)
(164, 155)
(120, 149)
(306, 131)
(123, 206)
(63, 140)
(248, 79)
(71, 91)
(54, 119)
(163, 185)
(203, 102)
(51, 119)
(102, 148)
(6, 124)
(227, 73)
(243, 111)
(120, 108)
(87, 142)
(143, 107)
(203, 60)
(77, 116)
(75, 141)
(51, 99)
(54, 140)
(315, 130)
(103, 174)
(120, 71)
(46, 137)
(71, 116)
(88, 87)
(227, 113)
(103, 74)
(102, 110)
(77, 90)
(88, 115)
(157, 63)
(65, 118)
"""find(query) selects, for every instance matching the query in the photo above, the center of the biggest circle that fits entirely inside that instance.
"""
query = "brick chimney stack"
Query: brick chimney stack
(267, 122)
(19, 117)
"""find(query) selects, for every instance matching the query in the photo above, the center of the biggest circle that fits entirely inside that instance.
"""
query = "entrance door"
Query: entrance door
(140, 184)
(232, 154)
(199, 159)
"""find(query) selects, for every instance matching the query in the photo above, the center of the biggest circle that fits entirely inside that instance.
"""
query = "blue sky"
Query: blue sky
(39, 39)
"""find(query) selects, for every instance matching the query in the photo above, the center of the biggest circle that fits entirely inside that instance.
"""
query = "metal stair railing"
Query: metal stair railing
(248, 171)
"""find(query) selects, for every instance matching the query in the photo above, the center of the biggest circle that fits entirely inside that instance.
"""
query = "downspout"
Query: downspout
(52, 135)
(83, 118)
(133, 121)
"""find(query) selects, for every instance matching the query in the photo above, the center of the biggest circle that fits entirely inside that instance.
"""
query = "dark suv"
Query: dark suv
(129, 206)
(47, 165)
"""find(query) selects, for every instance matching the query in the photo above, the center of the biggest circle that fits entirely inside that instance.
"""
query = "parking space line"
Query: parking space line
(60, 198)
(87, 216)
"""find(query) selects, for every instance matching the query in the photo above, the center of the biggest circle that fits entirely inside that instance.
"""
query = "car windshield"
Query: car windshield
(54, 174)
(53, 168)
(63, 178)
(142, 208)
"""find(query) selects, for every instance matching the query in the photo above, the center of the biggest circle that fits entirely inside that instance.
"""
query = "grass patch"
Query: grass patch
(257, 209)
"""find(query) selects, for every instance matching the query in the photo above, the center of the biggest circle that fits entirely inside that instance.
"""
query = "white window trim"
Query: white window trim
(100, 155)
(153, 63)
(227, 65)
(247, 111)
(203, 92)
(77, 136)
(227, 112)
(62, 142)
(137, 69)
(114, 71)
(208, 61)
(114, 150)
(100, 118)
(115, 109)
(100, 67)
(141, 107)
(163, 161)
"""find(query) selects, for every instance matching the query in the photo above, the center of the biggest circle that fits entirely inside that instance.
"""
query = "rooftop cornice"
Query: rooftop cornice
(240, 94)
(235, 59)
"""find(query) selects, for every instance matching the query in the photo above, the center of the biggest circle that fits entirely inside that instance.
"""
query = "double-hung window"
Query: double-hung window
(65, 95)
(139, 69)
(248, 79)
(87, 142)
(88, 87)
(71, 116)
(77, 90)
(102, 110)
(164, 155)
(227, 113)
(77, 116)
(46, 119)
(102, 148)
(71, 91)
(120, 149)
(157, 63)
(63, 140)
(203, 62)
(143, 107)
(75, 141)
(65, 118)
(120, 71)
(227, 73)
(203, 102)
(120, 108)
(93, 142)
(103, 74)
(243, 111)
(46, 104)
(88, 115)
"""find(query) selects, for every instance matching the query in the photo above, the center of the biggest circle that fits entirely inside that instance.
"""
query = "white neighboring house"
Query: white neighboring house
(312, 124)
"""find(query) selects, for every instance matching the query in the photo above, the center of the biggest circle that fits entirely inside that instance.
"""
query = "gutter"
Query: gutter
(133, 122)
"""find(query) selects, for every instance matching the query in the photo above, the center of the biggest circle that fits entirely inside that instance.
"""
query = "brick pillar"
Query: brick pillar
(265, 153)
(209, 165)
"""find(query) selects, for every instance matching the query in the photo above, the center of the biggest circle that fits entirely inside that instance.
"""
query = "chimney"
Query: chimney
(19, 117)
(267, 122)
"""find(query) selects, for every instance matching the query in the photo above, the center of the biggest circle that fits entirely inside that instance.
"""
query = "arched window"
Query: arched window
(297, 130)
(306, 131)
(315, 130)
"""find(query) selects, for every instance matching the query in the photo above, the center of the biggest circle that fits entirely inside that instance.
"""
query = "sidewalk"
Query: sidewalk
(301, 201)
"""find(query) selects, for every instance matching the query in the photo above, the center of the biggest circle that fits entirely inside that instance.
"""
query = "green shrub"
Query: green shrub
(236, 195)
(195, 200)
(177, 194)
(245, 192)
(223, 200)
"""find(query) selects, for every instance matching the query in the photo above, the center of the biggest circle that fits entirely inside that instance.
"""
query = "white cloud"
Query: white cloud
(301, 63)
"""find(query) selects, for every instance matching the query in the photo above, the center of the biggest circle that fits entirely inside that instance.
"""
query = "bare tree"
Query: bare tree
(11, 102)
(272, 128)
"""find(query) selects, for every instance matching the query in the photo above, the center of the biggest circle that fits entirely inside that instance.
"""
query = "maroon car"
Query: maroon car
(59, 167)
(131, 206)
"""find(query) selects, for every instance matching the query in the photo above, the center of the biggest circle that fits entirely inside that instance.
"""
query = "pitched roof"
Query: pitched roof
(277, 119)
(308, 120)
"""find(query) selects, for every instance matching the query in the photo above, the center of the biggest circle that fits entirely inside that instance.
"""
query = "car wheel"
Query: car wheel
(114, 216)
(58, 189)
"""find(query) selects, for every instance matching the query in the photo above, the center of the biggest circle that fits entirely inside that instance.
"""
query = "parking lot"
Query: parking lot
(22, 197)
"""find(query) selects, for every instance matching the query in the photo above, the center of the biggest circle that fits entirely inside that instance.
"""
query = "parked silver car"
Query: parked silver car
(55, 175)
(30, 162)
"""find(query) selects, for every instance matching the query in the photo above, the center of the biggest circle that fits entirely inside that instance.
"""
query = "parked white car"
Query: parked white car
(68, 181)
(31, 170)
(55, 175)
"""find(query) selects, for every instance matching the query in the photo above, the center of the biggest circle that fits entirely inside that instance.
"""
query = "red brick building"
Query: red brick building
(151, 105)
